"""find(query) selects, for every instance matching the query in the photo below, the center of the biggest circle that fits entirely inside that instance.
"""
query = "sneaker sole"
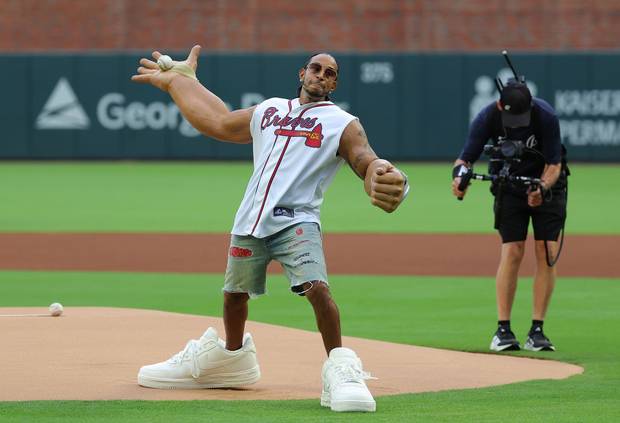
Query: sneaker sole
(500, 348)
(221, 380)
(350, 405)
(537, 349)
(505, 347)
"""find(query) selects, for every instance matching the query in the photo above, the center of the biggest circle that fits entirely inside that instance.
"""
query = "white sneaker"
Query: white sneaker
(204, 363)
(344, 388)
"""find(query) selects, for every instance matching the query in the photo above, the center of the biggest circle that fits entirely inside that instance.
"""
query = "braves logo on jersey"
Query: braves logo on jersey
(295, 150)
(313, 136)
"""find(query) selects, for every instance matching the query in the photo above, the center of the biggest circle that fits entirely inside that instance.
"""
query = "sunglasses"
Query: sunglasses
(329, 72)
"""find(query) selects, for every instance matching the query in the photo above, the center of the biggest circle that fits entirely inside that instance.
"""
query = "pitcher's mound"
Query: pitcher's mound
(93, 353)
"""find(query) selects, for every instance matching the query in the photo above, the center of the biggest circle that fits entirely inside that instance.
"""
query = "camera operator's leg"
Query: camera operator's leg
(507, 275)
(547, 221)
(513, 217)
(506, 286)
(544, 279)
(544, 282)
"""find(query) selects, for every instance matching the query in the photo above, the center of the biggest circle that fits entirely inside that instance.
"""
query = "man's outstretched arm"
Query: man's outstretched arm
(203, 110)
(384, 183)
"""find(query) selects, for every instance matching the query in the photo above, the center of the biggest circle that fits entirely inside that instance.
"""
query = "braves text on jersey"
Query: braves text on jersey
(295, 159)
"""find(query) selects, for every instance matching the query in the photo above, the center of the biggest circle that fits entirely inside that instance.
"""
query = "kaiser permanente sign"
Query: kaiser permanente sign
(413, 106)
(589, 117)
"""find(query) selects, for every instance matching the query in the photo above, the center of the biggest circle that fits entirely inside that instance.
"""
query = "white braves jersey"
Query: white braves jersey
(295, 159)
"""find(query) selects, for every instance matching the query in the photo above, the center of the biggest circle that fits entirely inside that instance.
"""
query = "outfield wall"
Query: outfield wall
(289, 26)
(413, 106)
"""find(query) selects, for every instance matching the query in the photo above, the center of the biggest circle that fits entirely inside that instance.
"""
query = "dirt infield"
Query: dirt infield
(93, 353)
(375, 254)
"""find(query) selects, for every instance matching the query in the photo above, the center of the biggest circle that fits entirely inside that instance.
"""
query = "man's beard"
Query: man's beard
(314, 92)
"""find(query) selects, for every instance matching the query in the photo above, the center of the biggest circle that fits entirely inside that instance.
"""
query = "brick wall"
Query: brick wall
(289, 25)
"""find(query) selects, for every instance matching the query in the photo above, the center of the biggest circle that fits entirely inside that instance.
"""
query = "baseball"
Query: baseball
(165, 62)
(56, 309)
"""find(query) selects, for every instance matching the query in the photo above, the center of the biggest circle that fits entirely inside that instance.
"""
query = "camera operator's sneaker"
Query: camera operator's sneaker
(344, 388)
(504, 340)
(204, 363)
(537, 341)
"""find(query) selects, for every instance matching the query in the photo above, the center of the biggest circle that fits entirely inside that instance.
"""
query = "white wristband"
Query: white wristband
(406, 185)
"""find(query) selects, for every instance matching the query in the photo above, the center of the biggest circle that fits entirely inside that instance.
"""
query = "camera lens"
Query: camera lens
(509, 148)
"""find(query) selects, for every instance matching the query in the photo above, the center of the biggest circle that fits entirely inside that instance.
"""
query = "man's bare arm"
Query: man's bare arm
(208, 113)
(384, 184)
(355, 149)
(549, 177)
(550, 174)
(203, 109)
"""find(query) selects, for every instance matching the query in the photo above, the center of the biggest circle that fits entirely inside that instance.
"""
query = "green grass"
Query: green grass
(204, 196)
(454, 313)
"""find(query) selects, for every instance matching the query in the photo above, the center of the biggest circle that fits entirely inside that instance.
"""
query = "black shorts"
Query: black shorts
(514, 217)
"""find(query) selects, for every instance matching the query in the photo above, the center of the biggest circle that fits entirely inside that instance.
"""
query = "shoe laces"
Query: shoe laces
(350, 372)
(190, 351)
(538, 336)
(505, 334)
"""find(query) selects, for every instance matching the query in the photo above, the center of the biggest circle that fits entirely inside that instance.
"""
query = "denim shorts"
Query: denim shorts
(298, 248)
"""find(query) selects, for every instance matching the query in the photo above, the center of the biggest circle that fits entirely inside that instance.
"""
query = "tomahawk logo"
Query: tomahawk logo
(62, 110)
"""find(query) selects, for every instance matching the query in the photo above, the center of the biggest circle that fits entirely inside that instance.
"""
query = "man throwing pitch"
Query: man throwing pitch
(298, 146)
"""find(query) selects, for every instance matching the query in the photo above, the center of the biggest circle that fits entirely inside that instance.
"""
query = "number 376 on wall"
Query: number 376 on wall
(376, 72)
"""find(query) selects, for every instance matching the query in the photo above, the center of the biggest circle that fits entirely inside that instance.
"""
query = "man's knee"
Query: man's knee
(546, 251)
(513, 251)
(314, 290)
(542, 249)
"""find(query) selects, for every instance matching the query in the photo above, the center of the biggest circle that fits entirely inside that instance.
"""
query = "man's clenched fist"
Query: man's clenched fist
(386, 185)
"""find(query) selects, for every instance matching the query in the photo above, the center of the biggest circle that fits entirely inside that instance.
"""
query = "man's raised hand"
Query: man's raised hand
(149, 71)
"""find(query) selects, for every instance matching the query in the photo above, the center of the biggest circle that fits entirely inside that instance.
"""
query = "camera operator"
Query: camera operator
(519, 117)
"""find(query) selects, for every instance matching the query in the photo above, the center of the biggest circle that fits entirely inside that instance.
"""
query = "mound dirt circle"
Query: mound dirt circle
(94, 353)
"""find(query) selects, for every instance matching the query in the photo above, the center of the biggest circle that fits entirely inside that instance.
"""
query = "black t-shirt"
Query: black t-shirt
(542, 137)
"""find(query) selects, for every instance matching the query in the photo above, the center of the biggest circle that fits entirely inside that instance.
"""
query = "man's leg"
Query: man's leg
(342, 390)
(544, 282)
(544, 279)
(235, 316)
(512, 220)
(326, 313)
(245, 276)
(548, 222)
(235, 366)
(505, 287)
(507, 275)
(299, 249)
